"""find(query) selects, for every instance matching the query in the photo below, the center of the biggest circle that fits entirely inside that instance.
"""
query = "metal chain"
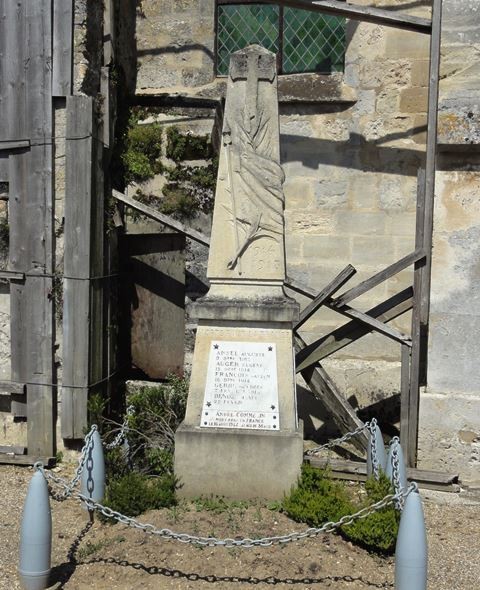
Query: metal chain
(326, 528)
(338, 441)
(372, 427)
(396, 472)
(123, 430)
(70, 486)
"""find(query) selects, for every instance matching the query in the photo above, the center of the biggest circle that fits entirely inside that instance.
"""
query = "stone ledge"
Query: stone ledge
(256, 310)
(292, 88)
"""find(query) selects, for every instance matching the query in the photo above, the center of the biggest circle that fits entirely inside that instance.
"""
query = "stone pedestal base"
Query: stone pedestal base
(237, 464)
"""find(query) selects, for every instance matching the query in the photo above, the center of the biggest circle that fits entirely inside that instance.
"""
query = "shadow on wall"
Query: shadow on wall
(356, 153)
(176, 49)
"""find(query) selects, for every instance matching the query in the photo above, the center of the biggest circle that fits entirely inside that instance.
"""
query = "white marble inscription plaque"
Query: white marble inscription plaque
(241, 388)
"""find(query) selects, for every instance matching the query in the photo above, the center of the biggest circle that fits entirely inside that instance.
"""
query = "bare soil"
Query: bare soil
(105, 556)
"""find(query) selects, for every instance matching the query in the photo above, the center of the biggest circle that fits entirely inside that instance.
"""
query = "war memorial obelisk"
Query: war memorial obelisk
(241, 437)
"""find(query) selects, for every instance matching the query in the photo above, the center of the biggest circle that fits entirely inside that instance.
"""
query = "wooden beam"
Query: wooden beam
(83, 258)
(345, 335)
(7, 459)
(13, 450)
(327, 393)
(325, 294)
(404, 394)
(374, 324)
(356, 471)
(299, 287)
(12, 387)
(380, 277)
(162, 218)
(352, 11)
(62, 65)
(14, 144)
(11, 275)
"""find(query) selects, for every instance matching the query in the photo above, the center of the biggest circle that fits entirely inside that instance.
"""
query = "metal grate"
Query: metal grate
(241, 25)
(311, 42)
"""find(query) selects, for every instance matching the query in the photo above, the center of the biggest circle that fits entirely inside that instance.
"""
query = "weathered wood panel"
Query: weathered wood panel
(29, 102)
(62, 47)
(83, 265)
(156, 272)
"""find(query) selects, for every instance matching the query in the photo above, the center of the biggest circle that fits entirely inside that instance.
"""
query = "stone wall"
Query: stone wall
(450, 406)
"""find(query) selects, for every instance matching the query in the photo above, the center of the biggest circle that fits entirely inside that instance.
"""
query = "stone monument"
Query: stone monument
(241, 437)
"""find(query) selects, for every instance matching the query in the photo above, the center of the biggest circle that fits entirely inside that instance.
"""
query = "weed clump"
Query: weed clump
(317, 499)
(143, 148)
(135, 493)
(140, 474)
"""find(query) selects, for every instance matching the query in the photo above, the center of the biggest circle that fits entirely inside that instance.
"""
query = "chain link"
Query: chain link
(122, 435)
(70, 486)
(397, 498)
(338, 441)
(394, 443)
(150, 529)
(372, 427)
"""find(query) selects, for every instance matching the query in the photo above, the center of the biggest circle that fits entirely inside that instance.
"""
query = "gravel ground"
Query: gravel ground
(114, 557)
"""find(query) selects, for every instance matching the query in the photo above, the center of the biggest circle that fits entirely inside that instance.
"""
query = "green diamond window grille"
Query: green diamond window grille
(311, 42)
(241, 25)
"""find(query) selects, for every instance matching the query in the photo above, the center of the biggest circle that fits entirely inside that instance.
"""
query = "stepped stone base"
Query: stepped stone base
(240, 465)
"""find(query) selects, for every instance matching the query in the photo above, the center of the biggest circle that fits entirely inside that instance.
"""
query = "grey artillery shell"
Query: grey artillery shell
(93, 474)
(411, 552)
(36, 536)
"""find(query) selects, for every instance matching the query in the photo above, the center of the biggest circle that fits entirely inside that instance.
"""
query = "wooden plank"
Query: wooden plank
(38, 235)
(325, 294)
(380, 277)
(29, 459)
(345, 335)
(344, 469)
(62, 47)
(352, 11)
(422, 276)
(327, 393)
(375, 324)
(404, 392)
(14, 144)
(419, 342)
(79, 188)
(299, 287)
(13, 450)
(12, 387)
(12, 275)
(13, 86)
(162, 218)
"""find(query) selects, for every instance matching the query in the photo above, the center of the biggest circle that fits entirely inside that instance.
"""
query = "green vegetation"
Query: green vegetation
(182, 146)
(317, 499)
(189, 189)
(135, 493)
(142, 479)
(143, 149)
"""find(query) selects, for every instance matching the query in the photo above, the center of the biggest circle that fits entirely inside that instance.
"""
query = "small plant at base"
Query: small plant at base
(317, 499)
(135, 493)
